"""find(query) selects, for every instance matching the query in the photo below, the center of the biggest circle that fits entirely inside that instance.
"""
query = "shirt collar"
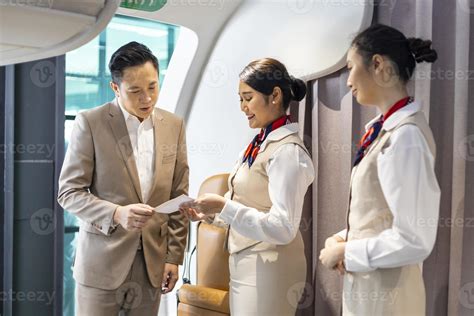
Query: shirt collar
(129, 116)
(396, 117)
(279, 134)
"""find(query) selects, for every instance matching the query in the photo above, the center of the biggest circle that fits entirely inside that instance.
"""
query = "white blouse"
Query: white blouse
(290, 172)
(408, 181)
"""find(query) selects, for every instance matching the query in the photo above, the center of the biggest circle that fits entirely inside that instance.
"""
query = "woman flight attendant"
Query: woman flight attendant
(394, 194)
(266, 191)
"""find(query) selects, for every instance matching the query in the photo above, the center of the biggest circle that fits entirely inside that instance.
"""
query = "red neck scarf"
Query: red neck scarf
(254, 147)
(373, 132)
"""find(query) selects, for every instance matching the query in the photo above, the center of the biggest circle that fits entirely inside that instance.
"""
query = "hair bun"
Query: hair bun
(298, 88)
(421, 50)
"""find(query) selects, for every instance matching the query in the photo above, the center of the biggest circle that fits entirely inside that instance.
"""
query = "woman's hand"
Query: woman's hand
(191, 213)
(332, 241)
(200, 208)
(340, 267)
(332, 256)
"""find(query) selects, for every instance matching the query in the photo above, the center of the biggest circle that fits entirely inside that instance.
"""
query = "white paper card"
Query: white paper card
(172, 206)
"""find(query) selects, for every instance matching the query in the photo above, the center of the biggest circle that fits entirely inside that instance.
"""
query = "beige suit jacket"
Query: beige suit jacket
(99, 174)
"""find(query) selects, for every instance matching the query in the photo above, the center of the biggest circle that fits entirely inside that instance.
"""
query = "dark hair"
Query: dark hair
(129, 55)
(265, 74)
(385, 40)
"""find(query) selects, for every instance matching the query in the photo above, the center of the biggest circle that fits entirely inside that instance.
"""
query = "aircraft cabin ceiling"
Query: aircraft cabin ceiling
(31, 30)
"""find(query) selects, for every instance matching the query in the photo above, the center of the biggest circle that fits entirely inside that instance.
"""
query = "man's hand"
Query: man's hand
(170, 276)
(133, 217)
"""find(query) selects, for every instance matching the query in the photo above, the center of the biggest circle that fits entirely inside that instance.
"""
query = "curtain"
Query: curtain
(333, 123)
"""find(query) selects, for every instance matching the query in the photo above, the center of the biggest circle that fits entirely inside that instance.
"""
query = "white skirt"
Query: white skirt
(269, 281)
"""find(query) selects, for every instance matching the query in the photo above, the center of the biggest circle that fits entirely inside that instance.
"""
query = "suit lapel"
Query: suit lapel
(119, 129)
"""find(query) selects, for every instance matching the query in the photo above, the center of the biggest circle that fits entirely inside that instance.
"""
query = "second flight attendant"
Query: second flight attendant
(394, 192)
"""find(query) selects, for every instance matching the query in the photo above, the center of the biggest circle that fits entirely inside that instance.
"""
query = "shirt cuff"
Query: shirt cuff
(356, 258)
(342, 234)
(229, 211)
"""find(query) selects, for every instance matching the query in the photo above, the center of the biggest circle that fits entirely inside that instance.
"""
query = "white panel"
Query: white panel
(311, 40)
(15, 51)
(87, 7)
(180, 65)
(49, 28)
(5, 47)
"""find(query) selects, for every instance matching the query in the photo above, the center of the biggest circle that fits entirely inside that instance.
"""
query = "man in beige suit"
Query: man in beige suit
(124, 158)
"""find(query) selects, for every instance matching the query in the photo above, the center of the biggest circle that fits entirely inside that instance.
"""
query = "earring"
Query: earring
(273, 102)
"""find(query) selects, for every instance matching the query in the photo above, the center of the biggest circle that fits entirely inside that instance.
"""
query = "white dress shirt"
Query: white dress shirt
(408, 181)
(142, 138)
(290, 171)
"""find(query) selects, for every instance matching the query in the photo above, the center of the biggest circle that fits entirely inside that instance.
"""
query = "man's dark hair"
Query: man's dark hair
(129, 55)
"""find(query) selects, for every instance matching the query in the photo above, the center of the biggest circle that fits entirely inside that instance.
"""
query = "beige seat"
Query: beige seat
(210, 296)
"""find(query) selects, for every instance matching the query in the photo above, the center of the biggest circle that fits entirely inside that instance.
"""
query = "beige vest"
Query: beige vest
(249, 186)
(394, 291)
